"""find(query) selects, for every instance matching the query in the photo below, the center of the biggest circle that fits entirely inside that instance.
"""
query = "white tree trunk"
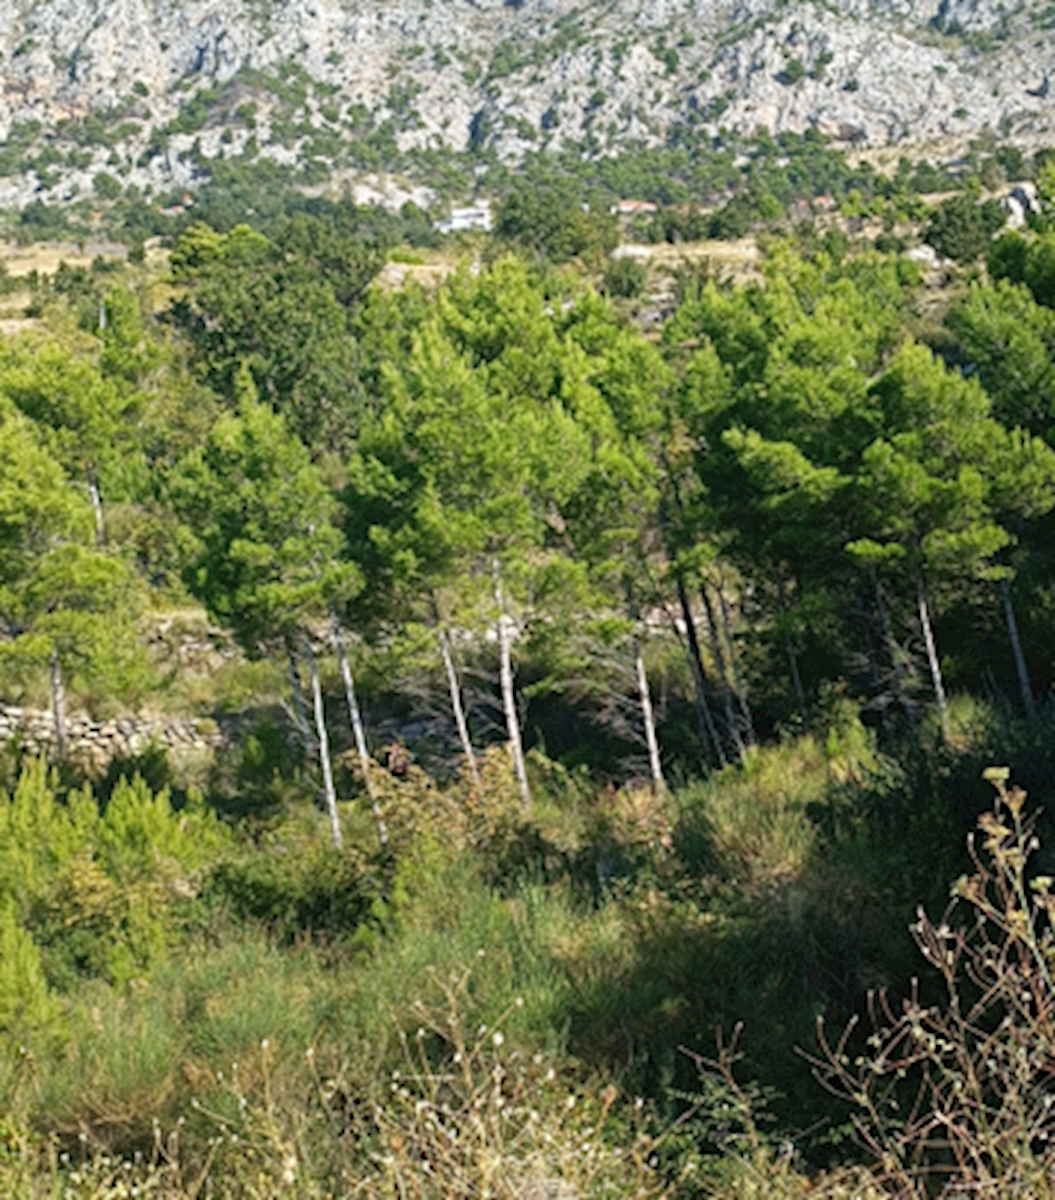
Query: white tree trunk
(456, 705)
(655, 766)
(58, 706)
(645, 697)
(932, 655)
(97, 510)
(1016, 646)
(359, 733)
(329, 792)
(509, 705)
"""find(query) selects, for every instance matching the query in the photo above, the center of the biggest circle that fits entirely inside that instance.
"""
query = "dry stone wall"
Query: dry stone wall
(95, 744)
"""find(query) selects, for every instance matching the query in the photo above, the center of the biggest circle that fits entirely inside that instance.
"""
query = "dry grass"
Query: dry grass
(45, 257)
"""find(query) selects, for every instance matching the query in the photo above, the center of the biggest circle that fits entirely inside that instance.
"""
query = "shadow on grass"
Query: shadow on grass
(787, 899)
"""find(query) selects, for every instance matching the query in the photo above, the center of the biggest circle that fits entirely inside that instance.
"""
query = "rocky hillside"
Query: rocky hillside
(144, 91)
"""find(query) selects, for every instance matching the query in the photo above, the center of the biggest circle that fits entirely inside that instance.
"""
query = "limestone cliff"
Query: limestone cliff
(295, 78)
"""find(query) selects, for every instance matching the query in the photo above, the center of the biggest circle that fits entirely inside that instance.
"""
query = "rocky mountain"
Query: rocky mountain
(144, 92)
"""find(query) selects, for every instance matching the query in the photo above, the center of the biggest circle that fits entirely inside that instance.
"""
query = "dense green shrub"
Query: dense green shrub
(98, 888)
(961, 228)
(625, 277)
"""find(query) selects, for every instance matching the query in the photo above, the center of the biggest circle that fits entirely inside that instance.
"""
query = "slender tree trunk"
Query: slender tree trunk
(796, 680)
(872, 655)
(456, 705)
(355, 716)
(58, 706)
(1016, 646)
(645, 696)
(509, 705)
(932, 655)
(719, 661)
(741, 691)
(699, 678)
(893, 649)
(300, 712)
(329, 792)
(699, 675)
(97, 510)
(793, 660)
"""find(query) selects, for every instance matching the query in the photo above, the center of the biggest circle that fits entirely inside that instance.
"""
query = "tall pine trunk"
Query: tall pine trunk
(699, 678)
(300, 712)
(796, 681)
(731, 720)
(932, 654)
(793, 660)
(457, 707)
(355, 717)
(893, 649)
(58, 706)
(328, 790)
(1016, 647)
(509, 704)
(734, 661)
(645, 698)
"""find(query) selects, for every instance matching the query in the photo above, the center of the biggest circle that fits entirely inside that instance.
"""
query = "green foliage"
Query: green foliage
(264, 552)
(794, 70)
(788, 444)
(550, 221)
(625, 278)
(961, 229)
(27, 1006)
(300, 889)
(85, 418)
(63, 598)
(278, 310)
(1009, 340)
(97, 889)
(106, 187)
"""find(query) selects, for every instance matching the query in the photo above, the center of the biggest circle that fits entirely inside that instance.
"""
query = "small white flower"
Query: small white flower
(497, 1039)
(289, 1170)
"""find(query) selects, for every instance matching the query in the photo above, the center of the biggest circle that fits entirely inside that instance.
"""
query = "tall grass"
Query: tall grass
(609, 934)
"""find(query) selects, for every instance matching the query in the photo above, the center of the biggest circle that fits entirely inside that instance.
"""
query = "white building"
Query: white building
(467, 220)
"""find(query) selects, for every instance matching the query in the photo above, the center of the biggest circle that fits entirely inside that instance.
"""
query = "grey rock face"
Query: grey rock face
(518, 74)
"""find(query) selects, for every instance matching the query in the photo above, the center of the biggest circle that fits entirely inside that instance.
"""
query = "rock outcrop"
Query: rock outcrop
(295, 77)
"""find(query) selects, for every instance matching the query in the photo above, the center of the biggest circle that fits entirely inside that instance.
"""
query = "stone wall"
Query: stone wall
(95, 743)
